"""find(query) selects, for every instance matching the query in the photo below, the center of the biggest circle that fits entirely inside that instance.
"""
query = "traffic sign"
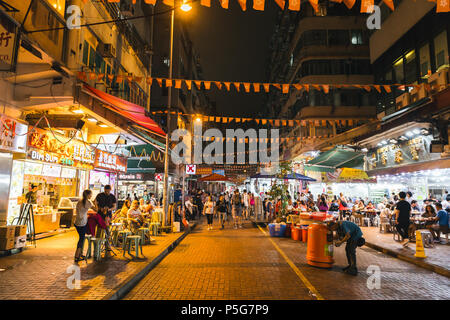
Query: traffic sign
(158, 177)
(191, 169)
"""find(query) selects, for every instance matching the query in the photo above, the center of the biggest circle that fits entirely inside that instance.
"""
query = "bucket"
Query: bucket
(296, 233)
(305, 233)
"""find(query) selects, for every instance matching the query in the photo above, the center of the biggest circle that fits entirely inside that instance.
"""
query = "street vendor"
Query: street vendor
(350, 233)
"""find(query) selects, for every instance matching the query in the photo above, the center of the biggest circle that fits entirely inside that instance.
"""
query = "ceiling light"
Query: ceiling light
(403, 138)
(91, 119)
(393, 141)
(364, 150)
(424, 132)
(416, 131)
(409, 134)
(384, 142)
(379, 144)
(77, 111)
(102, 125)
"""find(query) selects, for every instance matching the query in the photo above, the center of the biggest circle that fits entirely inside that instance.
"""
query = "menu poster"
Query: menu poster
(33, 168)
(68, 173)
(51, 171)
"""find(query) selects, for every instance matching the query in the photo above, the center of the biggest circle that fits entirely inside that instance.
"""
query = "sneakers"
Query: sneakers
(346, 268)
(405, 242)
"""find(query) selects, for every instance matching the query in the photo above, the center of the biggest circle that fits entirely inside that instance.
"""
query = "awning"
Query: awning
(127, 109)
(298, 176)
(214, 178)
(338, 157)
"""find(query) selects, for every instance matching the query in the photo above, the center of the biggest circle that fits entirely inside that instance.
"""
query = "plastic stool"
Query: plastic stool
(143, 232)
(116, 238)
(154, 226)
(137, 245)
(97, 243)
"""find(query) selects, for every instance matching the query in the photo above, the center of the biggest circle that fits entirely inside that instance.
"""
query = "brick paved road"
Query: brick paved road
(244, 264)
(40, 273)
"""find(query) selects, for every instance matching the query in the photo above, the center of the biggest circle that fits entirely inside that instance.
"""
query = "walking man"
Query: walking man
(350, 233)
(402, 218)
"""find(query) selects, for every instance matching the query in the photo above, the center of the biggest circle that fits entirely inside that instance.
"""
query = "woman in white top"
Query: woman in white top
(81, 218)
(134, 215)
(208, 209)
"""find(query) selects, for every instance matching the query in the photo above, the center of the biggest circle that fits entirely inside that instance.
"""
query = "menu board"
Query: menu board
(33, 168)
(68, 173)
(51, 171)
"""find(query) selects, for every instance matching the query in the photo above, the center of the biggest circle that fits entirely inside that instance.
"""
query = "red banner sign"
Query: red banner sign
(110, 162)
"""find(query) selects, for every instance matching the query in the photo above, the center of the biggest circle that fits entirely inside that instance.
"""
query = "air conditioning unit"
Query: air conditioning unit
(107, 50)
(438, 81)
(402, 101)
(418, 93)
(127, 9)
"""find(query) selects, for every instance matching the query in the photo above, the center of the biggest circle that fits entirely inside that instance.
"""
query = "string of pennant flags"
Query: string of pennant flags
(294, 5)
(269, 122)
(247, 86)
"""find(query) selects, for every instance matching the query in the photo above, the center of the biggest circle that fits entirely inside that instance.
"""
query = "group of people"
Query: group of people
(241, 206)
(92, 214)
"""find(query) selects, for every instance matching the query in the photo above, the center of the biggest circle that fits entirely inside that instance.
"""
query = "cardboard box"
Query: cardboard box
(7, 244)
(21, 230)
(7, 232)
(20, 242)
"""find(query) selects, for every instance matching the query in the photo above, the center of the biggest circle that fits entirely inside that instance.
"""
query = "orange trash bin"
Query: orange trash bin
(296, 233)
(305, 233)
(319, 252)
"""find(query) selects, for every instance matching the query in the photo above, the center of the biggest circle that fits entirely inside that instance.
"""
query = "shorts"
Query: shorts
(438, 227)
(236, 212)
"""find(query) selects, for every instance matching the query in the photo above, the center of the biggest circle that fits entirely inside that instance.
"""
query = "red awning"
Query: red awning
(127, 109)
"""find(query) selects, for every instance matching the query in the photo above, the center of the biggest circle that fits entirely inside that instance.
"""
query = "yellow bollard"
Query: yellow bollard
(420, 251)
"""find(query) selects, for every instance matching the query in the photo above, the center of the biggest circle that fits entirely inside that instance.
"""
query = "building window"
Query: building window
(357, 37)
(338, 37)
(424, 56)
(398, 70)
(441, 50)
(410, 67)
(58, 5)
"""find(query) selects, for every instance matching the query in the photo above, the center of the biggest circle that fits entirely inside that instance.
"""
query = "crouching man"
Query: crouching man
(348, 232)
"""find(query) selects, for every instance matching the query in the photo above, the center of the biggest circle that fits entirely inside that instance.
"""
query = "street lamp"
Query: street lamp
(185, 7)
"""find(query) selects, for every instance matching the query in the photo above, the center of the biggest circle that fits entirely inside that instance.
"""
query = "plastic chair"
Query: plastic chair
(97, 243)
(129, 243)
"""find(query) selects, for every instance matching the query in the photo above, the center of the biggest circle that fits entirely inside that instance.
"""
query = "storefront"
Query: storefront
(135, 184)
(106, 168)
(13, 145)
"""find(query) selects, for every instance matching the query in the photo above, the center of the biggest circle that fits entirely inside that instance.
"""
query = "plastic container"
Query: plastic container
(319, 252)
(319, 216)
(277, 230)
(296, 233)
(304, 233)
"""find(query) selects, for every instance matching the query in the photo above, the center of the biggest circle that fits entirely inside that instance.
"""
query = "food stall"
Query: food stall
(135, 183)
(58, 169)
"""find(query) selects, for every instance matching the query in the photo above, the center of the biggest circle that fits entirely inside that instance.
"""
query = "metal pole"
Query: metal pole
(169, 102)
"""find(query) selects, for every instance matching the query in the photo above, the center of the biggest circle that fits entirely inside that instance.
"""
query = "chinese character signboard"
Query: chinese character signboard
(53, 148)
(8, 43)
(110, 162)
(13, 135)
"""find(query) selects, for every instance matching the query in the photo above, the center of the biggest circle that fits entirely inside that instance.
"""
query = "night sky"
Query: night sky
(233, 46)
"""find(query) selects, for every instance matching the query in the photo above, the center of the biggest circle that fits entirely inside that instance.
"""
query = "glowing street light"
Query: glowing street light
(186, 6)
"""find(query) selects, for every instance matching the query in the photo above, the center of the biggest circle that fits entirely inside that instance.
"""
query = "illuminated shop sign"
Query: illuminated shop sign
(48, 147)
(13, 135)
(108, 161)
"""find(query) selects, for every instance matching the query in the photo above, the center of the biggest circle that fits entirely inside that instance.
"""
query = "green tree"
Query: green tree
(280, 190)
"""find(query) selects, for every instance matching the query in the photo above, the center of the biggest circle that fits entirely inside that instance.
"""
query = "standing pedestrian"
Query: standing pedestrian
(208, 210)
(252, 204)
(106, 203)
(236, 204)
(245, 200)
(350, 233)
(402, 218)
(81, 219)
(221, 208)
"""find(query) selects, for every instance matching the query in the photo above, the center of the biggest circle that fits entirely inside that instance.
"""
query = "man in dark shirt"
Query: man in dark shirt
(106, 202)
(402, 215)
(31, 196)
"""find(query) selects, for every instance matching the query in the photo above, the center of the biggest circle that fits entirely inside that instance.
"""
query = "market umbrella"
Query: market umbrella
(214, 177)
